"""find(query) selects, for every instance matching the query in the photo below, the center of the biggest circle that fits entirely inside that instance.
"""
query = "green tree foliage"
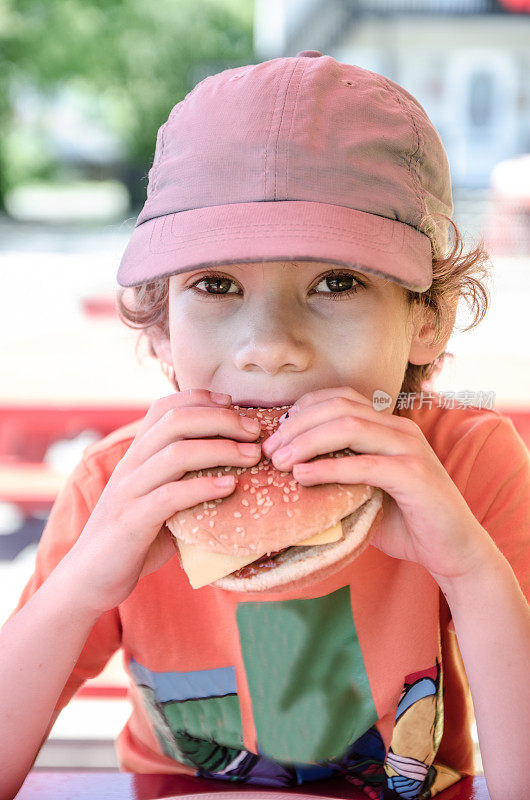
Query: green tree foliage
(138, 57)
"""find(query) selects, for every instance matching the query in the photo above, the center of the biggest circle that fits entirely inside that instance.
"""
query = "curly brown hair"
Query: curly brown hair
(462, 273)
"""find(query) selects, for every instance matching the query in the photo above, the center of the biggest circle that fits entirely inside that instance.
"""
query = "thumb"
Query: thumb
(162, 549)
(375, 538)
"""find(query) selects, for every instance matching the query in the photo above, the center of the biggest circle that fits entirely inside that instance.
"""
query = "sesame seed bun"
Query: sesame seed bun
(269, 511)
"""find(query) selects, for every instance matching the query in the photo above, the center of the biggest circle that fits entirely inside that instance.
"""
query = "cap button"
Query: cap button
(309, 53)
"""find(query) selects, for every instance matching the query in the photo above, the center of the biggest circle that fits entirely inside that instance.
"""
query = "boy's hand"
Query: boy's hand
(426, 519)
(125, 537)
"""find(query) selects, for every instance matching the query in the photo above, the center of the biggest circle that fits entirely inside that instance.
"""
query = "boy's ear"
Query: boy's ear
(162, 347)
(422, 349)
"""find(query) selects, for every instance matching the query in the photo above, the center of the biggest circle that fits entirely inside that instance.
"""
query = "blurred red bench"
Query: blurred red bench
(27, 433)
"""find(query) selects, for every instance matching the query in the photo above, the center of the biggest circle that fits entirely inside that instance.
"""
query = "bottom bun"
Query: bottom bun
(300, 564)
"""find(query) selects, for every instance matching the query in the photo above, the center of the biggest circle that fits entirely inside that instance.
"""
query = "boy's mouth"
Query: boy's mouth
(262, 404)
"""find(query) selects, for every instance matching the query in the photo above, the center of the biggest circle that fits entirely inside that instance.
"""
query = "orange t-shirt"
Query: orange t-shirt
(359, 674)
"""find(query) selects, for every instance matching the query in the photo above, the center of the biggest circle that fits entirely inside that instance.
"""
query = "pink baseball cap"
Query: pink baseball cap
(297, 158)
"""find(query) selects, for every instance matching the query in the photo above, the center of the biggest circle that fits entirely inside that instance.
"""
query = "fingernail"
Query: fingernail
(250, 425)
(272, 442)
(222, 399)
(249, 449)
(225, 480)
(284, 453)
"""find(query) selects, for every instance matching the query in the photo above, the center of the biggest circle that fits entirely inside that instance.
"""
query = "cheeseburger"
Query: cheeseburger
(272, 532)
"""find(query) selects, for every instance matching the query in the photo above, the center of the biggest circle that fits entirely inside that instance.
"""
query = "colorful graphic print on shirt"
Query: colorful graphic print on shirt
(313, 710)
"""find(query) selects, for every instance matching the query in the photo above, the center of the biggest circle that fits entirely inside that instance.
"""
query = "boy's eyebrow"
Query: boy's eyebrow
(285, 264)
(309, 265)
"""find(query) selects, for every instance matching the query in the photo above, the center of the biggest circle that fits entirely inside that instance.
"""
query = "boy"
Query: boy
(296, 182)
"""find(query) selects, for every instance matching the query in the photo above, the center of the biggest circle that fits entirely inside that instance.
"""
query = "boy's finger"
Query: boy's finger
(319, 395)
(166, 500)
(186, 455)
(190, 423)
(190, 397)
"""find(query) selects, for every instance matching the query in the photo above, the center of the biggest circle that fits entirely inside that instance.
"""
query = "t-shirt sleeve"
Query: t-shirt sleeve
(498, 493)
(68, 517)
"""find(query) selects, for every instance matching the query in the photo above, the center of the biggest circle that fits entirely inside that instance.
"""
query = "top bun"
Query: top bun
(268, 509)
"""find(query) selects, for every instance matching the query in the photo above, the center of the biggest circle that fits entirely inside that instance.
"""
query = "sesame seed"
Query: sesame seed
(227, 469)
(289, 513)
(285, 498)
(252, 490)
(194, 530)
(264, 491)
(199, 473)
(244, 502)
(237, 514)
(211, 523)
(295, 497)
(253, 470)
(253, 510)
(245, 487)
(211, 505)
(260, 501)
(199, 516)
(205, 505)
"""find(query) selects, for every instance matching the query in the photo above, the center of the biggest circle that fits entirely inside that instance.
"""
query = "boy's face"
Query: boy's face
(271, 332)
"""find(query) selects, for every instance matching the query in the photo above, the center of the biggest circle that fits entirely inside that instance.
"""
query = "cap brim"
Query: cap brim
(293, 230)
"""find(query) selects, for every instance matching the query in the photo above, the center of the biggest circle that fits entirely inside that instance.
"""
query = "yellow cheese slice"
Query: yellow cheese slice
(203, 567)
(332, 534)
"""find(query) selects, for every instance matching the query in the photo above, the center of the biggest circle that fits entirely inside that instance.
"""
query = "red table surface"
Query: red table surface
(48, 785)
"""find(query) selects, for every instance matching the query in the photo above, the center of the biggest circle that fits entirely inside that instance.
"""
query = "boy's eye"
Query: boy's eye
(219, 282)
(337, 283)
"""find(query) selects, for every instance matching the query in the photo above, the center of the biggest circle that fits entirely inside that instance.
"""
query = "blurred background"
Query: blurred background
(84, 87)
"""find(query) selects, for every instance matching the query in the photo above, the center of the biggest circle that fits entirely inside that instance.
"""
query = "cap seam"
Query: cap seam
(256, 226)
(316, 231)
(269, 136)
(415, 154)
(304, 65)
